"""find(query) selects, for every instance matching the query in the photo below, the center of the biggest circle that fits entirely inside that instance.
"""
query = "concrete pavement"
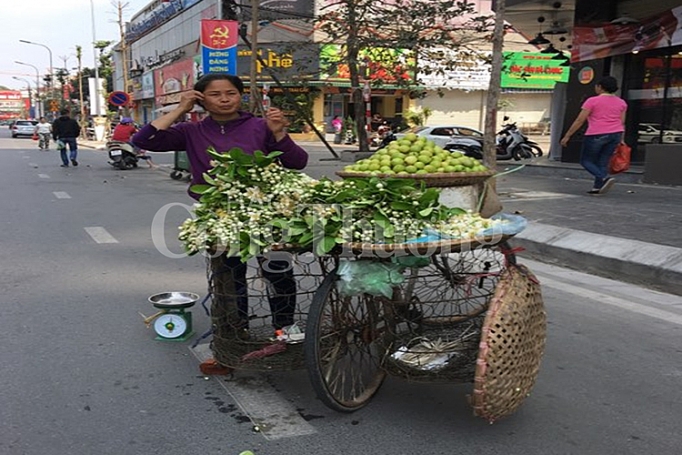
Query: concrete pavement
(633, 233)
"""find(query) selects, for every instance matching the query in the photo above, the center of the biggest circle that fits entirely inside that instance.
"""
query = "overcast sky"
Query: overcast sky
(58, 24)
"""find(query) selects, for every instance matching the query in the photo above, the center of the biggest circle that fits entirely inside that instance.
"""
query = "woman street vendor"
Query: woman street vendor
(227, 127)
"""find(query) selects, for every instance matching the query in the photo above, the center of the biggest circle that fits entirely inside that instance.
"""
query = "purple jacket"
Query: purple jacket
(247, 132)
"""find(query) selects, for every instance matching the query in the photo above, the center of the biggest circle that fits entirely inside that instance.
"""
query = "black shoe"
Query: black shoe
(594, 191)
(608, 183)
(63, 165)
(74, 162)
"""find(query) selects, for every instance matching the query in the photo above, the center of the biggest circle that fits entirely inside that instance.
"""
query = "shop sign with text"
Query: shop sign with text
(532, 70)
(282, 61)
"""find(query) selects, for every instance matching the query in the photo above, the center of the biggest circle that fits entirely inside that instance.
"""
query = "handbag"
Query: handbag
(620, 160)
(35, 136)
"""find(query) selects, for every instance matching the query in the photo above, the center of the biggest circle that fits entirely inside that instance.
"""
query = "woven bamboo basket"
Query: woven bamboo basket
(430, 180)
(511, 347)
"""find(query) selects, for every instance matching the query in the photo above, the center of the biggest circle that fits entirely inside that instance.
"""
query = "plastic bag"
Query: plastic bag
(620, 160)
(60, 145)
(512, 225)
(366, 276)
(35, 136)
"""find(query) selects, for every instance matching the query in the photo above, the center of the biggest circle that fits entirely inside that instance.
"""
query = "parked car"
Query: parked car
(650, 133)
(442, 134)
(23, 127)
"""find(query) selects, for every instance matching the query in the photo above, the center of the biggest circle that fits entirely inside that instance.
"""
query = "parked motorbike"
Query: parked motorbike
(510, 143)
(122, 155)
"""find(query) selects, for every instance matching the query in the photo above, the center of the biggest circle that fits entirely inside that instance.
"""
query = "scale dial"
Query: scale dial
(170, 325)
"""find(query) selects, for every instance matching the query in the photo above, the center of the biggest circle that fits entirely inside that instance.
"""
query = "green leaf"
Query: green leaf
(402, 206)
(200, 189)
(426, 212)
(325, 245)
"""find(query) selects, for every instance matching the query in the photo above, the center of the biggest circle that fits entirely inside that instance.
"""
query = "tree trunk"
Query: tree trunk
(489, 153)
(356, 83)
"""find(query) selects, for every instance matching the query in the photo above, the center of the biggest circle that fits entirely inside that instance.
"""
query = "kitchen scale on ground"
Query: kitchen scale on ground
(172, 323)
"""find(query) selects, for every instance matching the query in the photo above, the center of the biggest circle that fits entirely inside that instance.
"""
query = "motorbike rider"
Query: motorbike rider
(44, 131)
(123, 132)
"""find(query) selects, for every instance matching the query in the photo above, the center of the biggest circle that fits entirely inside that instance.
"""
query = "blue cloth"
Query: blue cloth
(596, 153)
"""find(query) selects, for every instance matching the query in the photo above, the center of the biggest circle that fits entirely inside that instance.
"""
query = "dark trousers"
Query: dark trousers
(282, 299)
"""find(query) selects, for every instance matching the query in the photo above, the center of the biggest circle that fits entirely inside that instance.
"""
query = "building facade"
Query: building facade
(639, 43)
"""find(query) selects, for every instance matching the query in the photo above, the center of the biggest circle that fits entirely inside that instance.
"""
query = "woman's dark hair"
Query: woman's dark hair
(202, 83)
(609, 84)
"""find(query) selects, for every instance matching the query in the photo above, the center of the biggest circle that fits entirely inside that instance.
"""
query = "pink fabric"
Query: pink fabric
(605, 114)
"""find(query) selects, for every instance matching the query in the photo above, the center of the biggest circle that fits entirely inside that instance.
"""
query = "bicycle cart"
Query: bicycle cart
(467, 314)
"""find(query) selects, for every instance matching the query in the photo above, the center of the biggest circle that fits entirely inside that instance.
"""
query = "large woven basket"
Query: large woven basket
(430, 180)
(511, 347)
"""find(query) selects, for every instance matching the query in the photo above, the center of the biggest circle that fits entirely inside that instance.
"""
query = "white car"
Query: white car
(650, 133)
(442, 134)
(23, 127)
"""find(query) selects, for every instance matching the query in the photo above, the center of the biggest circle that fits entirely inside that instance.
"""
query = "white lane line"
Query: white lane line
(33, 164)
(275, 416)
(100, 235)
(61, 195)
(600, 297)
(43, 176)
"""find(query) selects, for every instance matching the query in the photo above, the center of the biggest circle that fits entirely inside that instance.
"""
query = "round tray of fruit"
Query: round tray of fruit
(417, 158)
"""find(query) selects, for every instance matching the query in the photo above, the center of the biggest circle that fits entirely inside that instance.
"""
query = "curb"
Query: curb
(646, 264)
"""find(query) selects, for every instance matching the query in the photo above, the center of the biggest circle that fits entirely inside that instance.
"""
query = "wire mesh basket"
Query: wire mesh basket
(259, 308)
(438, 314)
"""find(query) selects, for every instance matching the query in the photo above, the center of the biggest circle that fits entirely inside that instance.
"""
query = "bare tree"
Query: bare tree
(392, 41)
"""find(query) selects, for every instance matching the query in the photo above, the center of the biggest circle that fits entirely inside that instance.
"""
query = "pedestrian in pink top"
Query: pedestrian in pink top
(605, 116)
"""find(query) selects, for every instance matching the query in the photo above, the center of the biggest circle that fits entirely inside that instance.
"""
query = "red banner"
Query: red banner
(660, 31)
(219, 46)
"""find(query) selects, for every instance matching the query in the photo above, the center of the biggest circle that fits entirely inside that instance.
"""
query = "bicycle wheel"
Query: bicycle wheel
(345, 341)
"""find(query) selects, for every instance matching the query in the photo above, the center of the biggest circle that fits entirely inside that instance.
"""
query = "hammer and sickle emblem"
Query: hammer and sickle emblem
(220, 33)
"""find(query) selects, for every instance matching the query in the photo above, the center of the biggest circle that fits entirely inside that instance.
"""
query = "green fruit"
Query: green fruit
(398, 168)
(424, 159)
(411, 159)
(430, 168)
(410, 169)
(411, 137)
(419, 165)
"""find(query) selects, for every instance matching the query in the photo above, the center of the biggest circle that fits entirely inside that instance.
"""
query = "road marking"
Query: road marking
(61, 195)
(600, 297)
(33, 164)
(100, 235)
(26, 157)
(276, 417)
(43, 176)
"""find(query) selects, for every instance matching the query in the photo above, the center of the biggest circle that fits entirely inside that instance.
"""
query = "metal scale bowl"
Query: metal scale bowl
(173, 323)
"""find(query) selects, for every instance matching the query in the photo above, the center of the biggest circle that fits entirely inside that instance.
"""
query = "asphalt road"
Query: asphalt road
(81, 374)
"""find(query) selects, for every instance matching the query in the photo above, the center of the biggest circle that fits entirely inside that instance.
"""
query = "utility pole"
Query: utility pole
(124, 52)
(254, 98)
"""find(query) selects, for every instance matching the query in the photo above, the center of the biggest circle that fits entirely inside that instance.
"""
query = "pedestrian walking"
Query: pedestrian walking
(605, 117)
(44, 131)
(226, 127)
(66, 130)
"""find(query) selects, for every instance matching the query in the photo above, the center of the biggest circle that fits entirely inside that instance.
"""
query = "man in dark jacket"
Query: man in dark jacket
(66, 130)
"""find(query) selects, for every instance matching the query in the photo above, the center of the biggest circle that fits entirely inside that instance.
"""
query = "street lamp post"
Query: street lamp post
(94, 52)
(39, 111)
(51, 67)
(30, 100)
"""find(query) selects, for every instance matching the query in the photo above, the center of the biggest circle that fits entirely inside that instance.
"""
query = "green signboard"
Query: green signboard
(532, 70)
